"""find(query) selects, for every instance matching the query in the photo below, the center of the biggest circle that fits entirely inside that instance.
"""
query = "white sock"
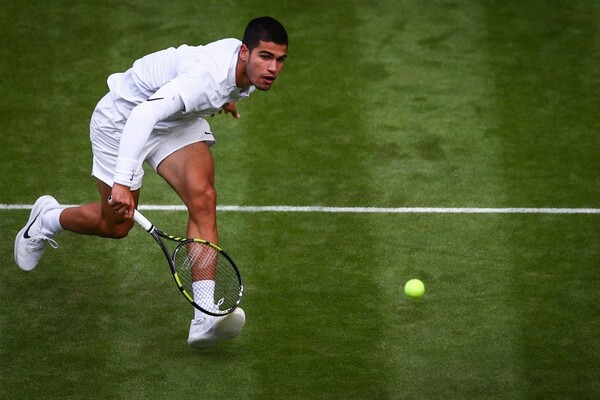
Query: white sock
(204, 295)
(51, 222)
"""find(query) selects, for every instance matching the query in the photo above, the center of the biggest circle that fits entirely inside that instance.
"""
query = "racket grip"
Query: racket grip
(142, 221)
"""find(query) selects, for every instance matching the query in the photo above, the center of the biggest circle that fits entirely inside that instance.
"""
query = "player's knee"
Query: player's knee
(119, 231)
(203, 201)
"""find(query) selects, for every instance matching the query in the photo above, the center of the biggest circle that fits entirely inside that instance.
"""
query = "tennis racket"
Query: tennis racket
(206, 276)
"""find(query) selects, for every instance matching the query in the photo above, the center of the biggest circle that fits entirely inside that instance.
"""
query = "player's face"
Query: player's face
(265, 63)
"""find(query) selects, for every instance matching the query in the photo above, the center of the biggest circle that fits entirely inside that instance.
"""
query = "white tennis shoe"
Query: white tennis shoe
(208, 330)
(31, 241)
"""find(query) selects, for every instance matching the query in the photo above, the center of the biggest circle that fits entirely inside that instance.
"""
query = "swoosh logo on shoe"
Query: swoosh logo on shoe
(26, 233)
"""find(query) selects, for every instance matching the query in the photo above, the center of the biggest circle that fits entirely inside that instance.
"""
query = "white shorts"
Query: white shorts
(107, 126)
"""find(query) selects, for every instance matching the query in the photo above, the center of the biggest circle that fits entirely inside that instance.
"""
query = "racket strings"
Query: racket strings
(207, 274)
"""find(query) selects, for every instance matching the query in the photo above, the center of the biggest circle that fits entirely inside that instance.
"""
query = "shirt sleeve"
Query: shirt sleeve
(165, 102)
(198, 85)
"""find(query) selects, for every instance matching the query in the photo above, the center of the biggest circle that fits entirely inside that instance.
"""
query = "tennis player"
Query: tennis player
(156, 112)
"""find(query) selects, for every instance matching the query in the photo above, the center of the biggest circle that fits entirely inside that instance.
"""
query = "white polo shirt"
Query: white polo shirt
(204, 77)
(173, 87)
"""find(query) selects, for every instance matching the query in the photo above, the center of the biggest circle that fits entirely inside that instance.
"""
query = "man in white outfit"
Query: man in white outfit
(155, 112)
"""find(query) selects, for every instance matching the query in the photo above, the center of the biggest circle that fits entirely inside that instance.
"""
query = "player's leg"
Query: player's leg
(190, 172)
(98, 218)
(48, 218)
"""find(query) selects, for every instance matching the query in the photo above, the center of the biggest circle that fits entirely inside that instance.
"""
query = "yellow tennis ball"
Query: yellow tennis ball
(414, 288)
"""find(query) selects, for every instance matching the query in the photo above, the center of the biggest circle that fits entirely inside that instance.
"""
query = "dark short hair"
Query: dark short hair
(267, 29)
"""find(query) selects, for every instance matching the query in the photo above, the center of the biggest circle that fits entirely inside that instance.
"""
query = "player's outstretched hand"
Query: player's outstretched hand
(230, 108)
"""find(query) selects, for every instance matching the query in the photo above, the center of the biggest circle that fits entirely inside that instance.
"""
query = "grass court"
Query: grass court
(443, 103)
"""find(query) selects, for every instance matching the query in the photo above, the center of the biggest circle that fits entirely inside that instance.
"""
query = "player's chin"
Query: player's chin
(264, 84)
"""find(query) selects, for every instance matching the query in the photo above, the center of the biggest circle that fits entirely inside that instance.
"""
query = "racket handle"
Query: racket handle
(143, 221)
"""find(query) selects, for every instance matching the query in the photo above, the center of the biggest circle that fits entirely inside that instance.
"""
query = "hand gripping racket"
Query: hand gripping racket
(206, 276)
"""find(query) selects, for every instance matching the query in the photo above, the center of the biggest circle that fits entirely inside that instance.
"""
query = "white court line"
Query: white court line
(359, 210)
(412, 210)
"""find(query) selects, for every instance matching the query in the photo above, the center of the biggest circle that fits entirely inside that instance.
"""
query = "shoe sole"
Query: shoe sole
(37, 208)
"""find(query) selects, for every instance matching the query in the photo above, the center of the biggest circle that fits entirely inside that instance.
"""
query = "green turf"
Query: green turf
(381, 103)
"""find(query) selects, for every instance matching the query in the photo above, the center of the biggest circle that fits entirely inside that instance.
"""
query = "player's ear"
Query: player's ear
(244, 53)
